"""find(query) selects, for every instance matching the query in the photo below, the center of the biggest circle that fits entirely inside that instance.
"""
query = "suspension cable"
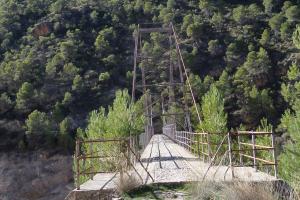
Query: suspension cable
(185, 71)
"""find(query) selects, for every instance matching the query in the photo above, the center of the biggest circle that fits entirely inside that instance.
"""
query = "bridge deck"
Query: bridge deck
(167, 162)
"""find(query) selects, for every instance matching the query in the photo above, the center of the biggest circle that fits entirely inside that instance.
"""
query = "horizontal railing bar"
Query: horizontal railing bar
(180, 142)
(101, 151)
(184, 138)
(255, 145)
(204, 153)
(93, 157)
(85, 170)
(103, 140)
(251, 133)
(257, 149)
(251, 165)
(260, 159)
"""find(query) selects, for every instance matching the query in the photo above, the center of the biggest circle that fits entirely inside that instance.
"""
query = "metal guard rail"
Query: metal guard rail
(201, 145)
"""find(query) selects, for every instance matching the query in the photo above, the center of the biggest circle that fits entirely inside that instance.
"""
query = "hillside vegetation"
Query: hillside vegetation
(61, 59)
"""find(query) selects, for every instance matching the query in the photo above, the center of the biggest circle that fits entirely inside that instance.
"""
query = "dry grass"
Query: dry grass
(238, 191)
(246, 191)
(127, 182)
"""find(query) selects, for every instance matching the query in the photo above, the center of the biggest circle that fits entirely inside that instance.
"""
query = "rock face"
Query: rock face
(42, 29)
(35, 176)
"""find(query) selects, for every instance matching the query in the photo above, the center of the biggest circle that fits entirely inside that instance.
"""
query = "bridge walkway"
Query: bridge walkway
(168, 162)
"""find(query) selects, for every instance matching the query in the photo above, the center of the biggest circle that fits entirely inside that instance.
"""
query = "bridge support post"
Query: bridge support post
(91, 152)
(77, 148)
(136, 41)
(239, 146)
(208, 148)
(254, 150)
(198, 145)
(274, 154)
(230, 154)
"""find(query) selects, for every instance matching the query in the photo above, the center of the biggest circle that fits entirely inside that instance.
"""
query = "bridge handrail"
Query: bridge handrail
(126, 151)
(188, 140)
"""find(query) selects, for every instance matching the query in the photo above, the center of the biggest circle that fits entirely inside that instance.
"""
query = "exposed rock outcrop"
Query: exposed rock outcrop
(42, 29)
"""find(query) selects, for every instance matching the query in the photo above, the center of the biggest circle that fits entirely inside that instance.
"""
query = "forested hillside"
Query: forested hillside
(61, 59)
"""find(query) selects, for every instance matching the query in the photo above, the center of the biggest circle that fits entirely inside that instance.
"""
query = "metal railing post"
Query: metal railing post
(230, 154)
(202, 147)
(208, 148)
(198, 145)
(77, 148)
(125, 146)
(91, 152)
(254, 150)
(274, 154)
(239, 145)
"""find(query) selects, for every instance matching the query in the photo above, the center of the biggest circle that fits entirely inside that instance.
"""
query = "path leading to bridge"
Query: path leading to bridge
(168, 162)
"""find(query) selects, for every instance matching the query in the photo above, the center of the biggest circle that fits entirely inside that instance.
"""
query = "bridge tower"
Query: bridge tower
(158, 78)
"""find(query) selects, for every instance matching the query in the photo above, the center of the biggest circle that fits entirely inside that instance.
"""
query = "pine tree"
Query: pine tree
(213, 47)
(38, 123)
(275, 22)
(5, 103)
(265, 37)
(285, 30)
(268, 4)
(214, 120)
(64, 137)
(25, 97)
(293, 13)
(291, 90)
(214, 117)
(224, 84)
(289, 160)
(296, 37)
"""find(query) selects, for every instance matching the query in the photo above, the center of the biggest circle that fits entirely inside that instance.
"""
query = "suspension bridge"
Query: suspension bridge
(169, 151)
